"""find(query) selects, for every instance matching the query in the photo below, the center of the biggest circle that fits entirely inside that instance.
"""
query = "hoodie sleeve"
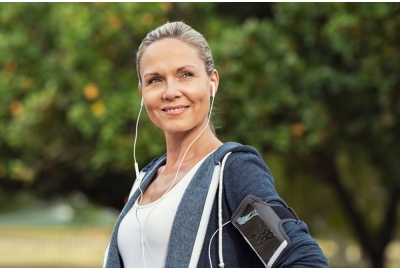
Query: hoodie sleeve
(246, 173)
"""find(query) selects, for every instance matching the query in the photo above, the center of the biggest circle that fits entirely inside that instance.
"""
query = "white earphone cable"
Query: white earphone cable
(134, 144)
(137, 172)
(209, 245)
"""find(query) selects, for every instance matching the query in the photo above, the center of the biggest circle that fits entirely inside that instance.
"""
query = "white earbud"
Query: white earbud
(213, 89)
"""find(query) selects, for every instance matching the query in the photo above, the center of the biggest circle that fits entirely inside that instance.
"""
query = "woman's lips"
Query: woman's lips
(175, 110)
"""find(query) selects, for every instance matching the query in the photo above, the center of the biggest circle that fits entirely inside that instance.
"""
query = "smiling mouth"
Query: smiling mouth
(176, 109)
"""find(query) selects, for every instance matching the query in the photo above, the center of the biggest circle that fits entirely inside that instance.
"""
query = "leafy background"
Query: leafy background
(313, 86)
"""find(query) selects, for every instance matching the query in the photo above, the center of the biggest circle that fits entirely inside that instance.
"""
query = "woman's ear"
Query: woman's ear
(214, 82)
(140, 88)
(140, 91)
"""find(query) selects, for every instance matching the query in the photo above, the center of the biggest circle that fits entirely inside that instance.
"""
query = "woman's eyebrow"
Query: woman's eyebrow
(177, 70)
(186, 66)
(151, 74)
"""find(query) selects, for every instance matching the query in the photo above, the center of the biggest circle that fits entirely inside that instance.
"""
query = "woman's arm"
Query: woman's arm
(247, 174)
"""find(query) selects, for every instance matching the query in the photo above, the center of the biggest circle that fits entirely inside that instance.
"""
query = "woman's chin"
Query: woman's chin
(175, 130)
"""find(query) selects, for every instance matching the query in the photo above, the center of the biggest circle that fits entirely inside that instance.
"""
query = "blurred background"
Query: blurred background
(314, 87)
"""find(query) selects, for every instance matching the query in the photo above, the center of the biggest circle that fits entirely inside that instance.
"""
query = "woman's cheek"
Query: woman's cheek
(153, 117)
(150, 99)
(151, 109)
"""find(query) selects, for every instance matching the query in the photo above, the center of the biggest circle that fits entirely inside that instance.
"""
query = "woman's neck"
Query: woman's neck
(178, 144)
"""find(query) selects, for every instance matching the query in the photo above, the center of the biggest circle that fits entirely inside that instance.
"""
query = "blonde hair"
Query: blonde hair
(182, 32)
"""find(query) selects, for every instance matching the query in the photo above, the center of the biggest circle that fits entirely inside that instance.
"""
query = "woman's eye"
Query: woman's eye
(154, 80)
(187, 74)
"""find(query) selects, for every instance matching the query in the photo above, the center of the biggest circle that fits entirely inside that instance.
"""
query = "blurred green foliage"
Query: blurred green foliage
(314, 87)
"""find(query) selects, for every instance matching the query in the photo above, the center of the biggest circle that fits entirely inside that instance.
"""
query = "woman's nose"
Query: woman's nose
(171, 91)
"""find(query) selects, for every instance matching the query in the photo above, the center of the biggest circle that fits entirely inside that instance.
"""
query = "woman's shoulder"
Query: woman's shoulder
(236, 149)
(242, 158)
(245, 172)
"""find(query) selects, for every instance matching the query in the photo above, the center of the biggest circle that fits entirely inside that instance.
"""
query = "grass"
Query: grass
(37, 246)
(84, 246)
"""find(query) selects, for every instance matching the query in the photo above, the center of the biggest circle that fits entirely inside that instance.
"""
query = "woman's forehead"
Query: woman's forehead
(171, 52)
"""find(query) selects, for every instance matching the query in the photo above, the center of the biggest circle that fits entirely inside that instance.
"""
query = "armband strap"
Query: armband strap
(260, 224)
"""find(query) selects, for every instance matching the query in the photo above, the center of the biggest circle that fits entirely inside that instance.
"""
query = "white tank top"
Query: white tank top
(156, 229)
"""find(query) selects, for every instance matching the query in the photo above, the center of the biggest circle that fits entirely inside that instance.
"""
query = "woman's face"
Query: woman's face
(175, 87)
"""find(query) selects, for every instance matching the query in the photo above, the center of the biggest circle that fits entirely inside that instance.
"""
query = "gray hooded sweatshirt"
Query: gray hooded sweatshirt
(219, 185)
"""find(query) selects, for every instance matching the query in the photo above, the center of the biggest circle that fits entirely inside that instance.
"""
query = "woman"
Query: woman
(201, 186)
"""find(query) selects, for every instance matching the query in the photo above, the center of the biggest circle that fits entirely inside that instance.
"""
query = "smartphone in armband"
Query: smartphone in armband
(260, 224)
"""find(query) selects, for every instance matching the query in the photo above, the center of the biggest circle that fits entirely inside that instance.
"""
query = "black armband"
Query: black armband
(260, 224)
